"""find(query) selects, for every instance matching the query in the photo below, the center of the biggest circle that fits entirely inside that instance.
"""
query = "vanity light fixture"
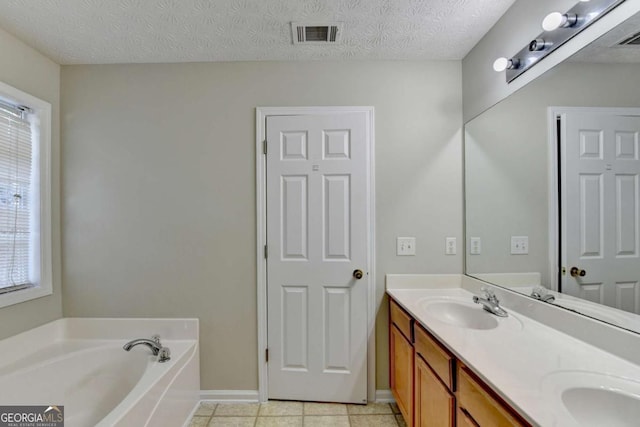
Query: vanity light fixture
(556, 20)
(572, 22)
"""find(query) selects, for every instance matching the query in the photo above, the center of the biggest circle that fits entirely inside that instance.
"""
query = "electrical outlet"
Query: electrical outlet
(476, 246)
(450, 246)
(405, 246)
(519, 245)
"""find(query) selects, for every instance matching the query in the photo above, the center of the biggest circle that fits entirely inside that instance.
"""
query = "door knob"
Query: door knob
(575, 272)
(358, 274)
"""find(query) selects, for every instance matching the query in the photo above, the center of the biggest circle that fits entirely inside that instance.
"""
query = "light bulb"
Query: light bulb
(552, 21)
(556, 20)
(500, 64)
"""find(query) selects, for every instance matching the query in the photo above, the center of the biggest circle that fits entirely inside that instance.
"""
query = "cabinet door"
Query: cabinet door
(401, 360)
(434, 404)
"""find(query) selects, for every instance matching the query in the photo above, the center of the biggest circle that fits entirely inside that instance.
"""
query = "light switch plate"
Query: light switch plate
(476, 246)
(405, 246)
(519, 245)
(450, 246)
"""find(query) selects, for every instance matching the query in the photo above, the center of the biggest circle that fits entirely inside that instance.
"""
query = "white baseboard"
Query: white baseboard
(384, 396)
(230, 396)
(250, 396)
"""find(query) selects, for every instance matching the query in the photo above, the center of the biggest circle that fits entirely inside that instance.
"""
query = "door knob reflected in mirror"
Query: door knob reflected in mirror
(575, 272)
(358, 274)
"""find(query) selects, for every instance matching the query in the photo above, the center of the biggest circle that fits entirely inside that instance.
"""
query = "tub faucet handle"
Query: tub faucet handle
(164, 355)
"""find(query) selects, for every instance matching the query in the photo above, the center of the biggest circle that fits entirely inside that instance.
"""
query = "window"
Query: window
(16, 206)
(25, 213)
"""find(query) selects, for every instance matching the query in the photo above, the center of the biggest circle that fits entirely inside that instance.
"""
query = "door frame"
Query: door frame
(261, 236)
(554, 180)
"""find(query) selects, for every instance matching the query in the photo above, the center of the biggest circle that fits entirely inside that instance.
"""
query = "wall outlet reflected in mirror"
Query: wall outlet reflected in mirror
(475, 246)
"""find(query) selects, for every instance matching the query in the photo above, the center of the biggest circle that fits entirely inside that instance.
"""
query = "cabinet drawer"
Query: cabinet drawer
(441, 361)
(478, 402)
(401, 319)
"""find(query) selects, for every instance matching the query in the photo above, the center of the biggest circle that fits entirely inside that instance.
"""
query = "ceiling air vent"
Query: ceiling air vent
(316, 33)
(633, 40)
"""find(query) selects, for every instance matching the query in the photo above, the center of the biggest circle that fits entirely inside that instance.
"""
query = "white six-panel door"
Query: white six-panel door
(600, 210)
(317, 234)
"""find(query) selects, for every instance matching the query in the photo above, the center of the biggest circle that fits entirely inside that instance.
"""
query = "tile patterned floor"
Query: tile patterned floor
(296, 414)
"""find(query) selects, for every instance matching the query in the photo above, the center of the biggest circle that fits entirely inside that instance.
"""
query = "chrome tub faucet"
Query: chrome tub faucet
(154, 344)
(490, 303)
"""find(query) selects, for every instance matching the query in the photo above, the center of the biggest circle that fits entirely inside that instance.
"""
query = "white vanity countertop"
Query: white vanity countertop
(526, 362)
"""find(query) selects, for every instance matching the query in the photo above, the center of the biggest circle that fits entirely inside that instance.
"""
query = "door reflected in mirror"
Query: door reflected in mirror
(552, 189)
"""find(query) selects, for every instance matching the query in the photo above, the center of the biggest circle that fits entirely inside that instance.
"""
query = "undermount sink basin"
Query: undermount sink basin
(594, 399)
(460, 314)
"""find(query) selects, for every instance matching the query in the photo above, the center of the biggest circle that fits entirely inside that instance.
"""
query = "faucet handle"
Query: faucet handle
(488, 292)
(164, 354)
(156, 339)
(543, 294)
(539, 292)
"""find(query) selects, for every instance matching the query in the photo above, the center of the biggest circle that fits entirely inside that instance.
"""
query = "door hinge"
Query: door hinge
(264, 146)
(266, 251)
(266, 355)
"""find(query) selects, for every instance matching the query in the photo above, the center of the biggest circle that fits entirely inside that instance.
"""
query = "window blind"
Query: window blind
(15, 197)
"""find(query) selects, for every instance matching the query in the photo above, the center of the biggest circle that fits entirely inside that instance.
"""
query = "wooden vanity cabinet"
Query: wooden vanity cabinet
(432, 388)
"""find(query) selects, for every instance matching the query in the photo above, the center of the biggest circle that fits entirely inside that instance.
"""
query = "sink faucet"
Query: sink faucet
(154, 344)
(490, 303)
(540, 292)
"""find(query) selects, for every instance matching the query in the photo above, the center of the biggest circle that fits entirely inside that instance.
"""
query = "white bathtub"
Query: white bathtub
(80, 363)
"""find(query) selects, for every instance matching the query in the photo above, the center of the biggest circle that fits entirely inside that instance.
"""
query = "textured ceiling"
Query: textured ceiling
(606, 49)
(135, 31)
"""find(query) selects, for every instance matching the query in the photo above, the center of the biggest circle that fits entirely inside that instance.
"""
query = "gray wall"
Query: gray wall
(506, 151)
(159, 187)
(24, 68)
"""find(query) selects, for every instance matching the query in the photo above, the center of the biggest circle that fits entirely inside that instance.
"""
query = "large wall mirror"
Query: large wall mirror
(552, 184)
